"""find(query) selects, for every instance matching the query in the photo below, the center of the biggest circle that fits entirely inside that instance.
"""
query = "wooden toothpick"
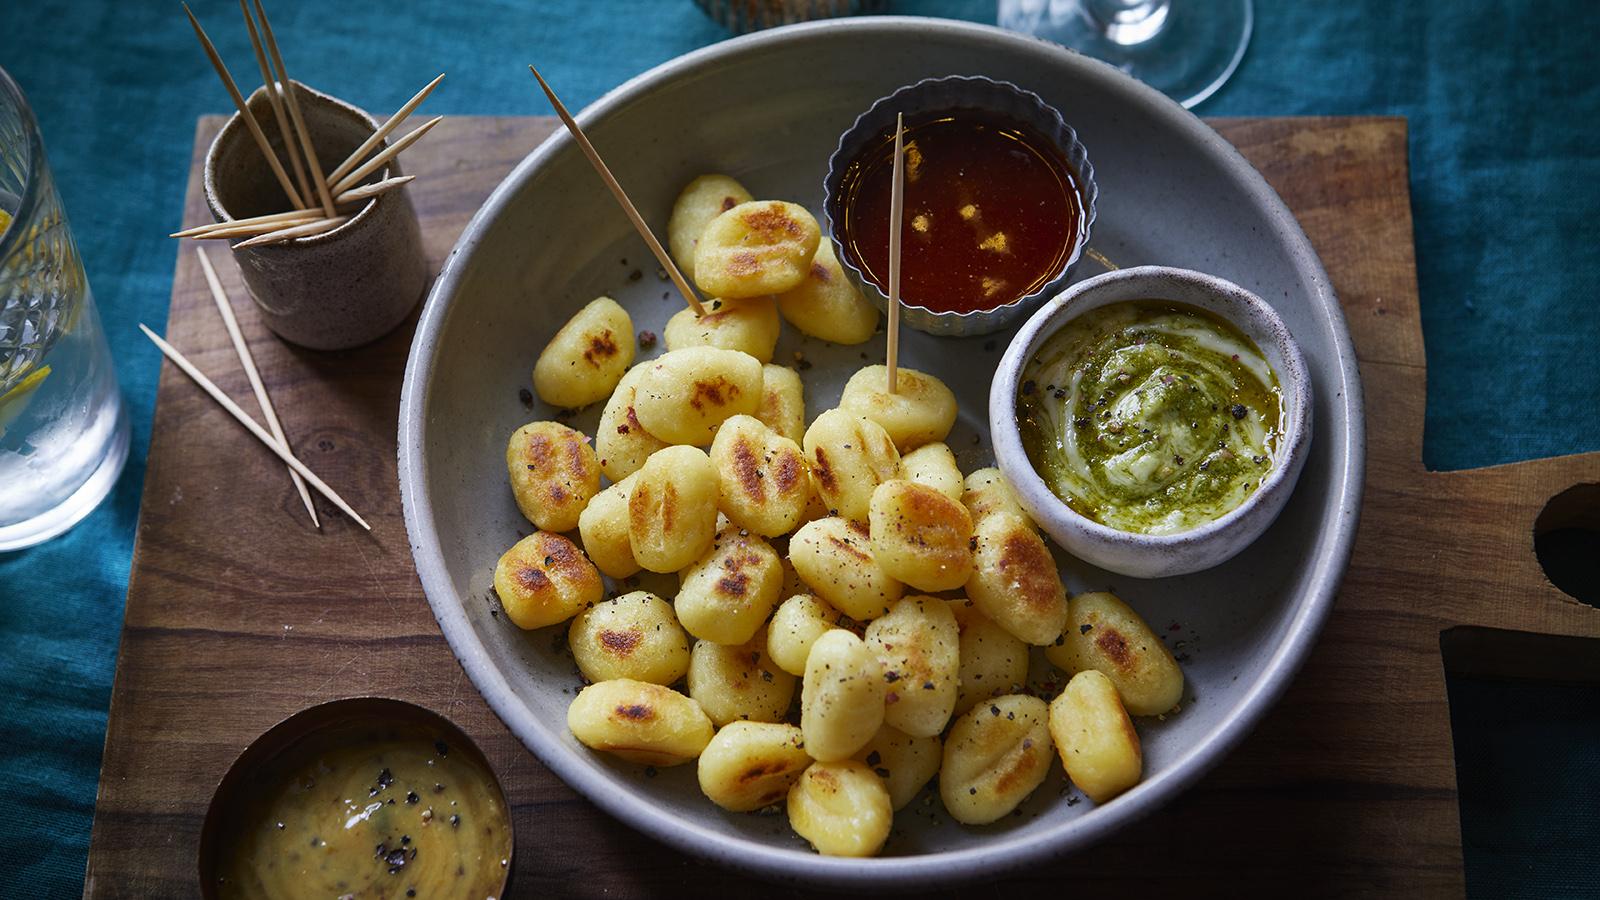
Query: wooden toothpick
(295, 231)
(249, 363)
(897, 204)
(354, 159)
(274, 221)
(622, 198)
(389, 152)
(293, 103)
(270, 85)
(244, 111)
(261, 434)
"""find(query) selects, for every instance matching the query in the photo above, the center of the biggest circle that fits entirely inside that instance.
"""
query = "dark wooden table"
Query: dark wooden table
(239, 613)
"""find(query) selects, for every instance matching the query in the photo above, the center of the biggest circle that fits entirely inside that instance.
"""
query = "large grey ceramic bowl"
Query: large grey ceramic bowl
(767, 108)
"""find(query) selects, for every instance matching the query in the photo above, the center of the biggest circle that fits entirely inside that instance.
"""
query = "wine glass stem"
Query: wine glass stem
(1127, 22)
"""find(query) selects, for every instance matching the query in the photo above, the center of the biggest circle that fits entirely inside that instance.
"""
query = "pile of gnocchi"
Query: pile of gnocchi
(847, 559)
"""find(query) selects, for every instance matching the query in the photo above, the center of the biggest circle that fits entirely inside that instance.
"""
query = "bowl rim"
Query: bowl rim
(1080, 299)
(1006, 852)
(1073, 153)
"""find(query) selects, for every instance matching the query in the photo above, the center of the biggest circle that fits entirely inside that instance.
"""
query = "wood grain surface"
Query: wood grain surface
(239, 613)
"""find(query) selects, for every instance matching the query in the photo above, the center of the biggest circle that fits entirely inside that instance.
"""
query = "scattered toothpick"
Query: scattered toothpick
(622, 198)
(244, 111)
(897, 203)
(261, 434)
(248, 361)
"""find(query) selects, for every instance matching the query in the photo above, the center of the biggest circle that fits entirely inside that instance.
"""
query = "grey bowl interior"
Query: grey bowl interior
(768, 108)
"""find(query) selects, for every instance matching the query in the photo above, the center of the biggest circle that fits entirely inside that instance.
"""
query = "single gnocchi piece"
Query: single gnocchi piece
(834, 558)
(763, 479)
(749, 326)
(842, 808)
(1106, 635)
(1015, 581)
(920, 411)
(672, 509)
(796, 625)
(641, 722)
(1098, 745)
(603, 527)
(935, 466)
(994, 757)
(553, 472)
(826, 304)
(986, 492)
(905, 763)
(634, 636)
(993, 662)
(850, 456)
(544, 579)
(919, 646)
(621, 442)
(728, 592)
(702, 200)
(684, 395)
(920, 536)
(783, 402)
(751, 765)
(756, 248)
(739, 682)
(584, 361)
(842, 696)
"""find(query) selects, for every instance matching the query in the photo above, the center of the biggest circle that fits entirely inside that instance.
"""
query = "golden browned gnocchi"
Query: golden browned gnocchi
(919, 646)
(1015, 581)
(553, 472)
(920, 411)
(749, 326)
(584, 361)
(763, 479)
(826, 304)
(620, 441)
(850, 456)
(730, 591)
(639, 721)
(739, 682)
(986, 491)
(702, 200)
(634, 636)
(994, 757)
(684, 395)
(672, 509)
(935, 466)
(756, 248)
(1098, 745)
(905, 763)
(783, 402)
(1106, 635)
(920, 536)
(544, 579)
(842, 808)
(842, 696)
(993, 662)
(750, 765)
(795, 626)
(603, 527)
(834, 558)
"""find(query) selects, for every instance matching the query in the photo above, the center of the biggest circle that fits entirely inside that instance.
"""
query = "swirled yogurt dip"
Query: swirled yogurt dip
(1150, 416)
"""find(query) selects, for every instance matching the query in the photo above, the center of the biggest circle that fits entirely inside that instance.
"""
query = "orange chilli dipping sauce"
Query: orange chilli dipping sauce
(992, 210)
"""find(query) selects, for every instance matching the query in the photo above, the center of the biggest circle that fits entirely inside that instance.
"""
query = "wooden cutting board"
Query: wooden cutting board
(239, 613)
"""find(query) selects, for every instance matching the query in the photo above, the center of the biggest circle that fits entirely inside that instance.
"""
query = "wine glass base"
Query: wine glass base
(1186, 56)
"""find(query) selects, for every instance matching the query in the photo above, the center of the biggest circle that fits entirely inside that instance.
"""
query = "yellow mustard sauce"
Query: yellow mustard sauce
(1150, 416)
(374, 813)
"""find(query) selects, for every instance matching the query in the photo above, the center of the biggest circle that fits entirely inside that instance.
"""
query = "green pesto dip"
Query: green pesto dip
(1150, 416)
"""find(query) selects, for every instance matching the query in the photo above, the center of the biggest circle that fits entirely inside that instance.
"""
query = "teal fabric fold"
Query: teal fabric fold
(1503, 100)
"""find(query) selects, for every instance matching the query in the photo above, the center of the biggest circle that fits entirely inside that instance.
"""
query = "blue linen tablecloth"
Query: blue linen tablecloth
(1504, 105)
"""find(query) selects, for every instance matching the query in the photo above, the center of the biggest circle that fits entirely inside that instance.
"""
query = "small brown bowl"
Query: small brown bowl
(302, 734)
